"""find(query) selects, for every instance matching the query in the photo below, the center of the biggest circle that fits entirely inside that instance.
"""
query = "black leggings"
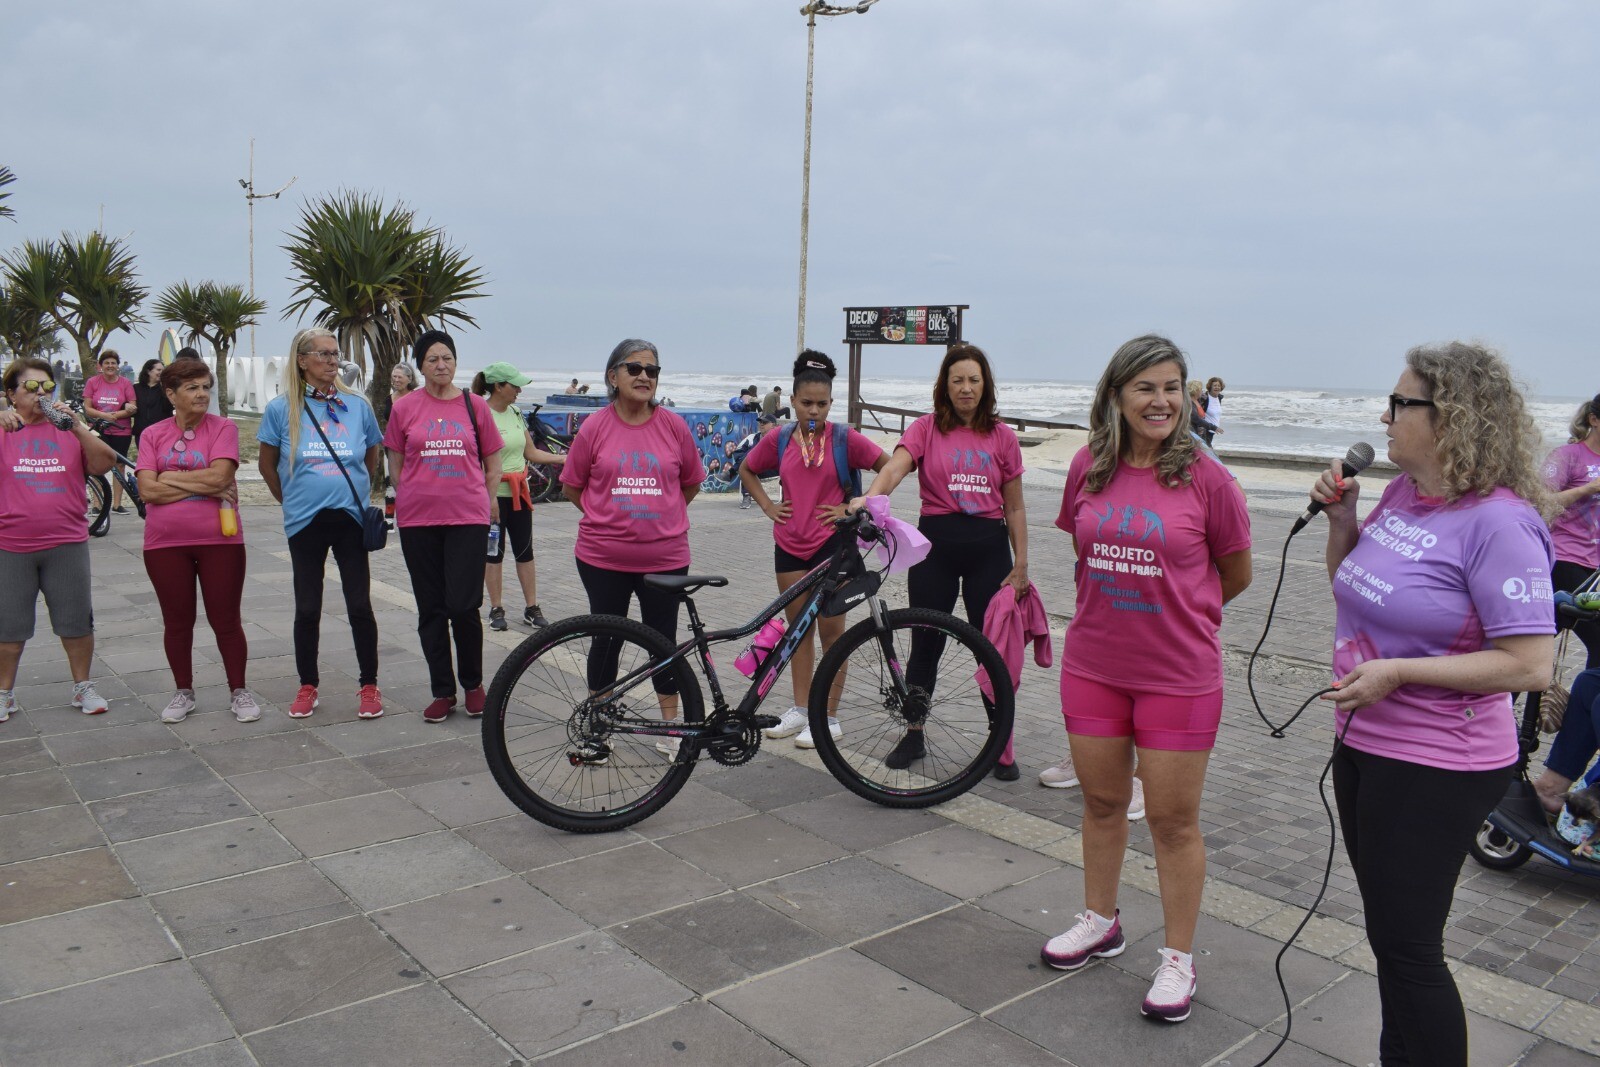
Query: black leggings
(308, 555)
(1567, 576)
(1406, 828)
(516, 531)
(609, 593)
(446, 565)
(970, 557)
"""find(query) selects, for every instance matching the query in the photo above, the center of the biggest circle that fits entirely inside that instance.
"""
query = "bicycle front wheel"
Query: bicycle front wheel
(919, 674)
(99, 505)
(550, 724)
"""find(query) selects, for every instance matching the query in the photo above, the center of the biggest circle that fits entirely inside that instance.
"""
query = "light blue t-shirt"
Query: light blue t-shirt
(316, 483)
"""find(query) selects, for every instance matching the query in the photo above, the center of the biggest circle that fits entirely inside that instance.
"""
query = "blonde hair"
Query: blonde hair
(1106, 438)
(1196, 387)
(294, 383)
(1485, 437)
(1579, 429)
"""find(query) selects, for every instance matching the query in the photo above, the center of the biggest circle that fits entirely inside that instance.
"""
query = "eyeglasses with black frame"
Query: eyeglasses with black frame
(649, 370)
(1398, 401)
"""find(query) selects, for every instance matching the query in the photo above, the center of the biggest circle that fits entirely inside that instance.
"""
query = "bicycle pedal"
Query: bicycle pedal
(765, 722)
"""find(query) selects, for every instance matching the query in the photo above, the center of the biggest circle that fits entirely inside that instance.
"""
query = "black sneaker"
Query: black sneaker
(909, 748)
(532, 616)
(120, 510)
(1006, 772)
(497, 618)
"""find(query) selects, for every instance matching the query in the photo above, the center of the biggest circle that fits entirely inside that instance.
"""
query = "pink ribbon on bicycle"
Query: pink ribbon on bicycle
(904, 546)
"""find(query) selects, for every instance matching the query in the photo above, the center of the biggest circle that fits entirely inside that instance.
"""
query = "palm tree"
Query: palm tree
(24, 331)
(6, 178)
(214, 312)
(87, 286)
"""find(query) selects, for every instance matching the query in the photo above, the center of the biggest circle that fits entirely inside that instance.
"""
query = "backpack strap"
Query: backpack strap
(849, 480)
(785, 432)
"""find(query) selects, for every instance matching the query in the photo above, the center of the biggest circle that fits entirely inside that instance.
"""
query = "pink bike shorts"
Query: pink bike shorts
(1154, 720)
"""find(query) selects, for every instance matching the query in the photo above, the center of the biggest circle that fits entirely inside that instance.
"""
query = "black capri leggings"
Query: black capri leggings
(516, 529)
(609, 592)
(970, 558)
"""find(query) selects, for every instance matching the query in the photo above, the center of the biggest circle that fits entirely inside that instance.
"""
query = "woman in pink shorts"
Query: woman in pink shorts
(1162, 539)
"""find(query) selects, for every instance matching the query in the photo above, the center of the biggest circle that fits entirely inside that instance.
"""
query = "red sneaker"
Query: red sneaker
(439, 710)
(371, 702)
(305, 702)
(475, 698)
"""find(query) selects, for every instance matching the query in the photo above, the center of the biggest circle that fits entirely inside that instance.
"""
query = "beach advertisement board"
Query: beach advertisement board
(930, 325)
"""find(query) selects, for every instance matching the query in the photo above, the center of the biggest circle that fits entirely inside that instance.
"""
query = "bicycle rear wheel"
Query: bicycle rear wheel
(99, 503)
(553, 748)
(963, 731)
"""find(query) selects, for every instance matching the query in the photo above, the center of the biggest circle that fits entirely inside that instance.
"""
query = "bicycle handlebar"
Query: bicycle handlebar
(861, 523)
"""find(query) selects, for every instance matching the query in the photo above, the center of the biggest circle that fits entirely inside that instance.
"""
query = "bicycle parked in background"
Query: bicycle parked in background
(544, 480)
(99, 485)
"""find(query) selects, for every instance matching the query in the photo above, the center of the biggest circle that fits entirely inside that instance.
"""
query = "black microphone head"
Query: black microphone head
(1360, 457)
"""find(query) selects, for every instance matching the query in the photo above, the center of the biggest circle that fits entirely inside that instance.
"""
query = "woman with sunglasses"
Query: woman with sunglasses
(444, 456)
(186, 472)
(632, 470)
(1444, 609)
(44, 542)
(316, 412)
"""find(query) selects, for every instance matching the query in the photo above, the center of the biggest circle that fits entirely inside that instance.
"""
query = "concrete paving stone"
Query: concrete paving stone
(551, 997)
(425, 763)
(814, 1011)
(1292, 1054)
(87, 746)
(66, 719)
(162, 811)
(306, 783)
(231, 911)
(610, 887)
(45, 832)
(295, 975)
(858, 825)
(963, 862)
(462, 801)
(773, 782)
(717, 942)
(21, 755)
(42, 665)
(399, 728)
(79, 946)
(420, 1025)
(136, 1016)
(382, 876)
(752, 849)
(46, 788)
(222, 1054)
(55, 884)
(214, 724)
(199, 855)
(265, 753)
(339, 825)
(975, 958)
(477, 925)
(138, 774)
(977, 1042)
(522, 844)
(693, 808)
(693, 1033)
(1050, 903)
(1552, 1054)
(850, 898)
(149, 683)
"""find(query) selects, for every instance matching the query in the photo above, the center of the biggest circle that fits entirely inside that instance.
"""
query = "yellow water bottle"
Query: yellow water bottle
(230, 519)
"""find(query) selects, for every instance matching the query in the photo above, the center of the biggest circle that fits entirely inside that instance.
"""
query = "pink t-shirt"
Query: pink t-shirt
(193, 520)
(633, 477)
(1576, 531)
(1429, 579)
(961, 472)
(441, 481)
(101, 395)
(41, 489)
(810, 487)
(1149, 596)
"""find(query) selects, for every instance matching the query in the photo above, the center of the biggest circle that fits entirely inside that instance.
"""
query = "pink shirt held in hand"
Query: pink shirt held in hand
(193, 520)
(1576, 531)
(961, 472)
(809, 482)
(100, 396)
(1429, 579)
(441, 480)
(1149, 596)
(633, 477)
(41, 489)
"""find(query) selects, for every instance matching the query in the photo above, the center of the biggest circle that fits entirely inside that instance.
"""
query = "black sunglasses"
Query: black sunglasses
(649, 370)
(1398, 401)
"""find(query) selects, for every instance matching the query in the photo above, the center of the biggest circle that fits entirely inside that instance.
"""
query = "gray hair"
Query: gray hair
(619, 355)
(408, 371)
(1106, 430)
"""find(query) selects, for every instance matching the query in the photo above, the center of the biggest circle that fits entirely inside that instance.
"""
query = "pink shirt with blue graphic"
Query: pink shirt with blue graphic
(1149, 597)
(441, 477)
(633, 477)
(193, 520)
(810, 487)
(101, 396)
(961, 472)
(41, 489)
(1429, 579)
(1576, 531)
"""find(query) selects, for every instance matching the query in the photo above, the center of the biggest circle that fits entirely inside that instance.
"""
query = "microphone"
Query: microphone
(1358, 459)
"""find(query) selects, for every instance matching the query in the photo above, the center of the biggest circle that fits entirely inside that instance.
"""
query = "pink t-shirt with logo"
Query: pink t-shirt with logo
(41, 489)
(633, 477)
(1576, 531)
(1429, 579)
(101, 396)
(810, 487)
(961, 472)
(1149, 600)
(441, 481)
(193, 520)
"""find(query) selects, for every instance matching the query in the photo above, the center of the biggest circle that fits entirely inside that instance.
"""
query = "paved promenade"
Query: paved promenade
(332, 891)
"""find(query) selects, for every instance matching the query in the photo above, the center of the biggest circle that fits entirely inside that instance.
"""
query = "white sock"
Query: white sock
(1101, 923)
(1185, 958)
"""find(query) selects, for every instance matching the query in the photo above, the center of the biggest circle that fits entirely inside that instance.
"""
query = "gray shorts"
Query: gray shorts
(62, 574)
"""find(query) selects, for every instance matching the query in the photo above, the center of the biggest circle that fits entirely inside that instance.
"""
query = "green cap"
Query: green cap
(495, 373)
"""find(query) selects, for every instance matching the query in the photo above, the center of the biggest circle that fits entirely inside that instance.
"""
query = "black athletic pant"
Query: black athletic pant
(970, 558)
(1567, 576)
(609, 593)
(1406, 828)
(446, 565)
(308, 555)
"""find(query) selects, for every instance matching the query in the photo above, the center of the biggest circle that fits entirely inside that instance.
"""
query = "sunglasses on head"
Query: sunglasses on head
(34, 385)
(649, 370)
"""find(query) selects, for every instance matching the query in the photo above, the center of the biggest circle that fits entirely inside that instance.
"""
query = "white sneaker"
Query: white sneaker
(805, 740)
(179, 707)
(245, 708)
(1062, 776)
(1172, 991)
(85, 697)
(1136, 805)
(793, 721)
(668, 747)
(8, 704)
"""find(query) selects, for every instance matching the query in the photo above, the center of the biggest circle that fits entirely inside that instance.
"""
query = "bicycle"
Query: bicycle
(544, 480)
(570, 726)
(99, 488)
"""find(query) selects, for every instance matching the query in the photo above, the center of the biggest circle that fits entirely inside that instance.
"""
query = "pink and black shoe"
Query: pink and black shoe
(1172, 992)
(1086, 941)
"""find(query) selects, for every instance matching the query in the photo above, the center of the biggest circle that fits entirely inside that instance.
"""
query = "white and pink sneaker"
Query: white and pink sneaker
(1173, 989)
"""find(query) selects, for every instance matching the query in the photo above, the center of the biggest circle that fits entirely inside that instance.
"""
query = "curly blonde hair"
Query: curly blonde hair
(1107, 431)
(1486, 438)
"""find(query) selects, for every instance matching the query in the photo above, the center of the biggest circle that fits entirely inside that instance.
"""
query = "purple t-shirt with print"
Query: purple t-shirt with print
(1428, 578)
(1576, 531)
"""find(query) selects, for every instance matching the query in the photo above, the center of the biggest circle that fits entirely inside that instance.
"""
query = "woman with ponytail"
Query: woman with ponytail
(816, 488)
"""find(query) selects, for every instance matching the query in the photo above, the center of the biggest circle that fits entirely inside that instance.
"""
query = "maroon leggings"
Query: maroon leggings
(220, 569)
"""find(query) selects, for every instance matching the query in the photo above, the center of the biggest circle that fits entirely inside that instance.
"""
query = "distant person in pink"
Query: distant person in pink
(1572, 473)
(632, 469)
(1162, 540)
(43, 536)
(1444, 609)
(110, 397)
(815, 494)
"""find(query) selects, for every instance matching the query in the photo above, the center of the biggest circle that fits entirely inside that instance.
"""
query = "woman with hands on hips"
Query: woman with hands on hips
(1444, 608)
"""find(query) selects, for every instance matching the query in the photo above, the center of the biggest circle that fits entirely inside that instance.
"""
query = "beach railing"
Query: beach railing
(1020, 422)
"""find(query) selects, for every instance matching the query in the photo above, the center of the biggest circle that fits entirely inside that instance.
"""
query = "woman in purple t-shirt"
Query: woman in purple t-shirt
(1572, 473)
(1444, 609)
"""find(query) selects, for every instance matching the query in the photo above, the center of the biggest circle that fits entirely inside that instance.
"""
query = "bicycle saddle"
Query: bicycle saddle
(684, 584)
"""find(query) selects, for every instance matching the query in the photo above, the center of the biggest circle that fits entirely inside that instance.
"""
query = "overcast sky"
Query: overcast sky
(1295, 193)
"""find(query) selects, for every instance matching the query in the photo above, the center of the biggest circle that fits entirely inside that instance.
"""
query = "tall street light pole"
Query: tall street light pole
(250, 197)
(811, 11)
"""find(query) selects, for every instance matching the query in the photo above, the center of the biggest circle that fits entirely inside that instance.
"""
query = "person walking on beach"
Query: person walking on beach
(110, 398)
(969, 477)
(313, 436)
(815, 461)
(1162, 539)
(444, 455)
